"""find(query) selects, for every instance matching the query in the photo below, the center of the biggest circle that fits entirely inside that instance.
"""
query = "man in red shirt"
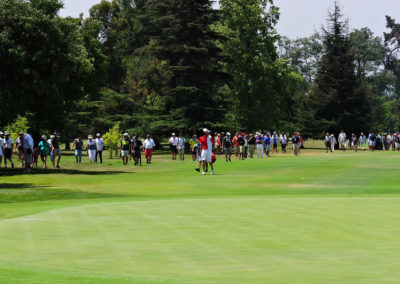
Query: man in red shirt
(236, 144)
(207, 142)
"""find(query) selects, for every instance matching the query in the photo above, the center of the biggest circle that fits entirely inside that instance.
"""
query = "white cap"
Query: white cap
(227, 133)
(1, 133)
(90, 136)
(98, 134)
(173, 134)
(126, 134)
(209, 131)
(205, 130)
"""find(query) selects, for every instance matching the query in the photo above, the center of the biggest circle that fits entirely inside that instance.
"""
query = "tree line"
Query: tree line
(182, 65)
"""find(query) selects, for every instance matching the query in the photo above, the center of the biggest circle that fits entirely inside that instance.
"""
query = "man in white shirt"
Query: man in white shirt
(100, 147)
(28, 151)
(342, 140)
(8, 145)
(181, 147)
(173, 144)
(149, 146)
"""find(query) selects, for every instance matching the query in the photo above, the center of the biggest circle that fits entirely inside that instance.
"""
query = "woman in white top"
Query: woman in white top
(91, 149)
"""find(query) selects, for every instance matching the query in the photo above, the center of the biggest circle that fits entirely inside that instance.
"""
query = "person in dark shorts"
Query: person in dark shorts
(55, 146)
(44, 150)
(8, 146)
(125, 148)
(137, 147)
(227, 144)
(173, 145)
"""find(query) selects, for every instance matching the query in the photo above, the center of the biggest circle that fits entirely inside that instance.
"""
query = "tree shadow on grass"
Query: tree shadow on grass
(15, 171)
(27, 192)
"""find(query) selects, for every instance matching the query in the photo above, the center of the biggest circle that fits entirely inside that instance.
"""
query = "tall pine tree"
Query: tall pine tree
(183, 39)
(338, 100)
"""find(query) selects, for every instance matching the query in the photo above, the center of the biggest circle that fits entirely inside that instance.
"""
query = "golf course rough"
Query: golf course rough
(314, 219)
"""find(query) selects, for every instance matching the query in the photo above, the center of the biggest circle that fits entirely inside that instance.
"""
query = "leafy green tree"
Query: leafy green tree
(112, 138)
(44, 62)
(338, 100)
(19, 125)
(182, 39)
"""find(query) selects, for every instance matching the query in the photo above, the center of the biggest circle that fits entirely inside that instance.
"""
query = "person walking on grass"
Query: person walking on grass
(342, 140)
(44, 150)
(372, 141)
(260, 145)
(28, 145)
(8, 148)
(100, 148)
(207, 143)
(193, 143)
(149, 146)
(328, 143)
(296, 143)
(267, 144)
(125, 148)
(78, 146)
(91, 149)
(19, 149)
(137, 147)
(275, 139)
(252, 145)
(55, 146)
(241, 142)
(235, 144)
(354, 142)
(333, 143)
(227, 146)
(362, 141)
(218, 144)
(283, 140)
(1, 147)
(173, 145)
(181, 147)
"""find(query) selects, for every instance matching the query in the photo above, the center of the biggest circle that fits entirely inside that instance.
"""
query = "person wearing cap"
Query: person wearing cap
(44, 150)
(19, 149)
(55, 147)
(362, 141)
(227, 146)
(295, 143)
(8, 147)
(260, 145)
(342, 140)
(91, 149)
(207, 142)
(125, 148)
(173, 145)
(193, 147)
(100, 148)
(333, 143)
(149, 146)
(1, 147)
(267, 144)
(136, 149)
(28, 145)
(78, 147)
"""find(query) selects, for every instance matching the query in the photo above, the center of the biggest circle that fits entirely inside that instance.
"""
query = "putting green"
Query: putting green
(220, 240)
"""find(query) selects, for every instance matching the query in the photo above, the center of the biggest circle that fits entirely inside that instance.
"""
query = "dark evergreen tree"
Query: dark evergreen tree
(183, 39)
(338, 100)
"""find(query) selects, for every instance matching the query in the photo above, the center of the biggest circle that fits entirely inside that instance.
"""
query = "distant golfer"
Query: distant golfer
(125, 148)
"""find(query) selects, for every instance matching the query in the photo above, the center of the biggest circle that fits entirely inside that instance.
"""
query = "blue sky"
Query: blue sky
(299, 18)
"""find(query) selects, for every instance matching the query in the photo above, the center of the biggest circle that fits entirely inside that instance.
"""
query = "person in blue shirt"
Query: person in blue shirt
(275, 139)
(260, 146)
(267, 144)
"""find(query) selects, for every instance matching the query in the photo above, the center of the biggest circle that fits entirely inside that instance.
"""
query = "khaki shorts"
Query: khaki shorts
(236, 149)
(57, 152)
(241, 149)
(125, 153)
(27, 157)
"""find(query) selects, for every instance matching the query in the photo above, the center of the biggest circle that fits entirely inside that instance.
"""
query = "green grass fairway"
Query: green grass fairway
(318, 218)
